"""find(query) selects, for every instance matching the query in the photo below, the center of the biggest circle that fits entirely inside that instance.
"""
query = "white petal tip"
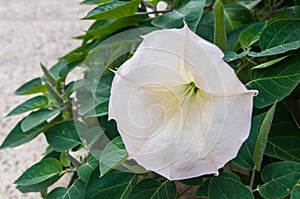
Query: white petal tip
(255, 92)
(216, 173)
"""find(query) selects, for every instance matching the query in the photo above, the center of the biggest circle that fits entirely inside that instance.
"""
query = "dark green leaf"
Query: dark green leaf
(292, 12)
(54, 93)
(64, 136)
(57, 193)
(262, 138)
(113, 9)
(249, 4)
(189, 11)
(39, 186)
(61, 69)
(31, 87)
(251, 34)
(89, 137)
(205, 28)
(33, 103)
(278, 37)
(276, 82)
(296, 191)
(226, 187)
(18, 137)
(202, 191)
(284, 137)
(76, 191)
(112, 155)
(85, 170)
(115, 185)
(100, 110)
(49, 76)
(166, 190)
(37, 117)
(279, 179)
(197, 181)
(41, 171)
(144, 189)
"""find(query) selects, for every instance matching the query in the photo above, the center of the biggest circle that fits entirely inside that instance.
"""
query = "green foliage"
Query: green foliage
(260, 40)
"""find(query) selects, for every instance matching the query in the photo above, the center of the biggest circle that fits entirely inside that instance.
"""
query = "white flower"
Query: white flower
(180, 109)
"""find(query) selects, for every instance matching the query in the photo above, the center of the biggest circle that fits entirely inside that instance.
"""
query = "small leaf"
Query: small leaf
(64, 136)
(33, 103)
(115, 184)
(18, 137)
(112, 155)
(275, 83)
(49, 76)
(251, 34)
(269, 63)
(113, 9)
(57, 193)
(37, 117)
(188, 11)
(64, 159)
(31, 87)
(279, 179)
(54, 93)
(41, 171)
(262, 138)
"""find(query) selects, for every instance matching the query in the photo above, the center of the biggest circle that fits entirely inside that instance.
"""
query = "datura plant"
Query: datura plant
(177, 99)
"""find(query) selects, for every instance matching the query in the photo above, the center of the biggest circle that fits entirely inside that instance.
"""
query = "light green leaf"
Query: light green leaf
(269, 63)
(279, 179)
(64, 159)
(41, 171)
(64, 136)
(112, 155)
(292, 12)
(76, 190)
(33, 103)
(115, 184)
(18, 137)
(55, 94)
(189, 11)
(231, 55)
(224, 186)
(113, 9)
(278, 37)
(31, 87)
(262, 138)
(284, 137)
(296, 191)
(37, 117)
(57, 193)
(275, 83)
(49, 76)
(251, 34)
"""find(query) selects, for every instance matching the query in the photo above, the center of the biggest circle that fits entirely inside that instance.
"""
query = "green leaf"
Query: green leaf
(61, 69)
(37, 117)
(144, 189)
(31, 87)
(57, 193)
(262, 138)
(197, 181)
(296, 191)
(269, 63)
(236, 16)
(18, 137)
(284, 137)
(227, 187)
(249, 4)
(292, 12)
(251, 34)
(54, 93)
(231, 55)
(64, 159)
(89, 137)
(112, 155)
(279, 179)
(49, 76)
(220, 38)
(276, 82)
(95, 1)
(113, 9)
(115, 184)
(100, 110)
(39, 186)
(64, 136)
(33, 103)
(85, 170)
(202, 191)
(41, 171)
(189, 11)
(76, 190)
(278, 37)
(166, 190)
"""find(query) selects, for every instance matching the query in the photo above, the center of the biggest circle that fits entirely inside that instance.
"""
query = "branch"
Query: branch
(272, 10)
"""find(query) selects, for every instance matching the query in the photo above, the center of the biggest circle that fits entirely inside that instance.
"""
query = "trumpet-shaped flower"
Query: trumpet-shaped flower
(180, 109)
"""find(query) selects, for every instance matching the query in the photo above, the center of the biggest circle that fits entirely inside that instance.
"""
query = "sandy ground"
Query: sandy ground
(31, 31)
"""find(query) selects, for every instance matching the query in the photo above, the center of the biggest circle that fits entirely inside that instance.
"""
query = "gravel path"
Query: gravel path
(31, 31)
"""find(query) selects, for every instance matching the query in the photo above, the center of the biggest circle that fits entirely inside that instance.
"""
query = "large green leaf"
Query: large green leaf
(18, 137)
(41, 171)
(39, 186)
(113, 9)
(33, 103)
(37, 117)
(85, 170)
(114, 185)
(292, 12)
(278, 37)
(64, 136)
(262, 138)
(31, 87)
(251, 34)
(284, 137)
(276, 82)
(227, 186)
(188, 11)
(76, 190)
(57, 193)
(112, 155)
(279, 179)
(296, 191)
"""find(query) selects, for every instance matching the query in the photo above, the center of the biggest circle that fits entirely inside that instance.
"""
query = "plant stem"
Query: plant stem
(272, 10)
(184, 191)
(252, 178)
